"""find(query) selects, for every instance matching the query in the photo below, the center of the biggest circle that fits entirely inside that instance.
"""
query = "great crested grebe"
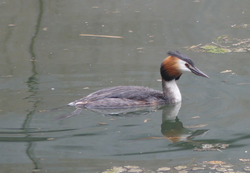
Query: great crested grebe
(171, 70)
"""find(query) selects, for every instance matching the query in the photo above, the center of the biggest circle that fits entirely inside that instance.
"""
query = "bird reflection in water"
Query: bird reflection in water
(172, 128)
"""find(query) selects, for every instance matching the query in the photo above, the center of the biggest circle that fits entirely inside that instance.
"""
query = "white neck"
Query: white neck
(171, 91)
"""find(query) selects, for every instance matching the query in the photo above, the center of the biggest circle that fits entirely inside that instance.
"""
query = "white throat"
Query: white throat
(171, 91)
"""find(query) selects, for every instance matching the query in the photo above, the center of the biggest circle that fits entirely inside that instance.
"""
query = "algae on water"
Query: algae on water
(223, 44)
(215, 49)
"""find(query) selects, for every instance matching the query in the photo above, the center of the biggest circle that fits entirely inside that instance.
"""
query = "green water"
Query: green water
(47, 63)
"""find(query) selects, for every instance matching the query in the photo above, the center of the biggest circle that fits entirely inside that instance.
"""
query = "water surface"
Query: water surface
(47, 63)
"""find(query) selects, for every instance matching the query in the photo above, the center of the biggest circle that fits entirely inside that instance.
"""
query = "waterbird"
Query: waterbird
(118, 97)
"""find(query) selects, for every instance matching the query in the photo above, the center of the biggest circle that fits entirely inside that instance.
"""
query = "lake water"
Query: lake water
(54, 52)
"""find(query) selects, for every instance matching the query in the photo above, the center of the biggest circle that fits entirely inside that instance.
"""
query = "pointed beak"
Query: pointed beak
(197, 72)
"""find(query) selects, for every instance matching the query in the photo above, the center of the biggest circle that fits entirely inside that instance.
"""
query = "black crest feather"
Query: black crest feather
(181, 56)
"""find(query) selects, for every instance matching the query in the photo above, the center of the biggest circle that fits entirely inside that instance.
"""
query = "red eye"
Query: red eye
(187, 65)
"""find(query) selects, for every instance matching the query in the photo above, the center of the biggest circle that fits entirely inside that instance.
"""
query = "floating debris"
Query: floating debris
(178, 168)
(11, 25)
(226, 71)
(42, 110)
(123, 169)
(243, 25)
(211, 147)
(102, 123)
(50, 139)
(221, 169)
(140, 48)
(197, 168)
(223, 44)
(195, 117)
(244, 160)
(214, 162)
(163, 169)
(243, 83)
(131, 167)
(226, 166)
(115, 169)
(214, 49)
(205, 166)
(196, 126)
(45, 29)
(247, 168)
(102, 36)
(146, 120)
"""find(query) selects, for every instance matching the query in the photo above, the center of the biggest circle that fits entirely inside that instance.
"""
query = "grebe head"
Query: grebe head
(175, 64)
